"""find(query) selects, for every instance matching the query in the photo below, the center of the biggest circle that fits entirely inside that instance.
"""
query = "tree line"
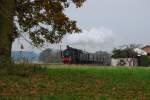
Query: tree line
(50, 56)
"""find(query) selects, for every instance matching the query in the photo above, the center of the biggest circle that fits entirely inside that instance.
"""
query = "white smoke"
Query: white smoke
(92, 40)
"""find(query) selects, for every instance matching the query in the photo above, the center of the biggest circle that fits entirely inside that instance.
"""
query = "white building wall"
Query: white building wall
(124, 62)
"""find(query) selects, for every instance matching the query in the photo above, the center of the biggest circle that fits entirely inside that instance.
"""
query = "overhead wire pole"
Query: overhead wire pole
(60, 51)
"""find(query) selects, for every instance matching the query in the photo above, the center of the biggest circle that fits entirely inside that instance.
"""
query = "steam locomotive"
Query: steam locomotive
(77, 56)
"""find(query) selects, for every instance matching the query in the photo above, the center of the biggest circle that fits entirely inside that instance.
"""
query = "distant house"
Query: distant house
(146, 49)
(140, 52)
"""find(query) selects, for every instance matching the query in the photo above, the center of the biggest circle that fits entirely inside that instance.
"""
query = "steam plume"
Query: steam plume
(92, 40)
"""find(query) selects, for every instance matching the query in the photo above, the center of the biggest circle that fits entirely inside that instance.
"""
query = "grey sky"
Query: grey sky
(129, 20)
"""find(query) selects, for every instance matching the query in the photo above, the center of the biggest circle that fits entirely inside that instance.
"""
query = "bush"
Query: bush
(21, 69)
(144, 61)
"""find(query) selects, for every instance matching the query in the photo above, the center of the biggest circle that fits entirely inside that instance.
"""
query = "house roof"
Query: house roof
(140, 51)
(146, 48)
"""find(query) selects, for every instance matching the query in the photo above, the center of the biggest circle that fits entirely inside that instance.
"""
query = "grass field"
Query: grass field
(74, 82)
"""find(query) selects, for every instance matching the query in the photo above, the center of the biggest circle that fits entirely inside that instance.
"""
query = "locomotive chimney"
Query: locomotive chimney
(68, 47)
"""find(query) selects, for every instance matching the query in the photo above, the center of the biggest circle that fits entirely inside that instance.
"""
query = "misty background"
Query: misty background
(105, 24)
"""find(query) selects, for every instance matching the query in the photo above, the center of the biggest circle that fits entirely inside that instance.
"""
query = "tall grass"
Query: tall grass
(21, 69)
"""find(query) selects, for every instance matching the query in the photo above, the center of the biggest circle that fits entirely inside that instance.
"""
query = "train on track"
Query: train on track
(77, 56)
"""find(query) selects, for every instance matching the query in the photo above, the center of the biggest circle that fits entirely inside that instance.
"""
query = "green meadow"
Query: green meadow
(74, 82)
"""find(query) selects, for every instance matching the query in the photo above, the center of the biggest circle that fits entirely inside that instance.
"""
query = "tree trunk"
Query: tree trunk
(7, 8)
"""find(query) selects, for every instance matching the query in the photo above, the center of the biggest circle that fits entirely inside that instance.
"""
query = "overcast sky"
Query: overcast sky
(107, 23)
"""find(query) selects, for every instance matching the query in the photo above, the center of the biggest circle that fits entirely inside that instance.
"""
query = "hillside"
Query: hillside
(24, 55)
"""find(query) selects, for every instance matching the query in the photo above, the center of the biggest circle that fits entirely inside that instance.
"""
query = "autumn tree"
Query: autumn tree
(43, 21)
